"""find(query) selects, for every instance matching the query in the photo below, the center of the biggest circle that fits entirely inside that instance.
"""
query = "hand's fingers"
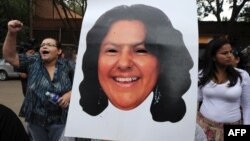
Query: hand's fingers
(63, 103)
(15, 25)
(60, 100)
(66, 104)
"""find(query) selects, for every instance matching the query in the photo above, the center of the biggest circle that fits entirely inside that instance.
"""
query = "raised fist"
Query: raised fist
(14, 26)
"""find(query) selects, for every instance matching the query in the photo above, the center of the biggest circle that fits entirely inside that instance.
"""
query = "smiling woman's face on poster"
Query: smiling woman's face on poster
(133, 74)
(131, 52)
(127, 71)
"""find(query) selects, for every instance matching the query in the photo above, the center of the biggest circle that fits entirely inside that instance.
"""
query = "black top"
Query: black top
(11, 128)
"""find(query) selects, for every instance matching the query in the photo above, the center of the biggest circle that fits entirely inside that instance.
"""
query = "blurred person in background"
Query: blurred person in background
(27, 48)
(235, 58)
(246, 54)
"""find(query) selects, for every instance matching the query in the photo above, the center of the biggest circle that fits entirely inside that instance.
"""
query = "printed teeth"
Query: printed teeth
(126, 79)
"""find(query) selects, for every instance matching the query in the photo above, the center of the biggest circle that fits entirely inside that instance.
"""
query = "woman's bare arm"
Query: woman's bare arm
(9, 46)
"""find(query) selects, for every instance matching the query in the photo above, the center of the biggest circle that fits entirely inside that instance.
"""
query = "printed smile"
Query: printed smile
(125, 79)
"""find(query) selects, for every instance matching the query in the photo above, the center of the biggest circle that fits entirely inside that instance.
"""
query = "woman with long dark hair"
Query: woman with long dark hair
(223, 89)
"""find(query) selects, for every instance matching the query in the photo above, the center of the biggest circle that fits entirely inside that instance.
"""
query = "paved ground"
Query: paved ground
(12, 97)
(11, 94)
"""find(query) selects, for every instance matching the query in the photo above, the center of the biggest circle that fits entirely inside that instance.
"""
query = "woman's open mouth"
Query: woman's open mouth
(45, 52)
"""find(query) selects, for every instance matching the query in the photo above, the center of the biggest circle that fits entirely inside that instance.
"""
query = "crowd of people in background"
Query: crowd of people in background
(223, 88)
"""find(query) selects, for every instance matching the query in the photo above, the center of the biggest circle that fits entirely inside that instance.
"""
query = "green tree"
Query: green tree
(79, 6)
(72, 4)
(13, 9)
(216, 7)
(245, 15)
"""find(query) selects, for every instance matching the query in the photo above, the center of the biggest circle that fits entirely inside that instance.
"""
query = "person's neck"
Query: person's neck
(221, 75)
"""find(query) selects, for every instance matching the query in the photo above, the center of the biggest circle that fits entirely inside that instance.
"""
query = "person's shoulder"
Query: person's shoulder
(35, 56)
(245, 76)
(10, 126)
(2, 108)
(242, 72)
(67, 61)
(5, 111)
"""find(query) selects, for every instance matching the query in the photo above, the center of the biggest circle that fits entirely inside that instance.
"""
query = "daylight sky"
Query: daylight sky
(226, 13)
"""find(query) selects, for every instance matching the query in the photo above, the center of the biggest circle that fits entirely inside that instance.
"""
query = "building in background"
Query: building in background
(52, 19)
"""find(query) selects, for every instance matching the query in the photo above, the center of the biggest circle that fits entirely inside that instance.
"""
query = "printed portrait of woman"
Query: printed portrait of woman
(132, 52)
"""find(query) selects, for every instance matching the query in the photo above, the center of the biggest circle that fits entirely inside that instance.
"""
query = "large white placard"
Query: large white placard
(137, 124)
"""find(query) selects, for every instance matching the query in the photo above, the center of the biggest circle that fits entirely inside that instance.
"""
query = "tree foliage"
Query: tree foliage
(13, 9)
(79, 6)
(19, 9)
(216, 7)
(245, 15)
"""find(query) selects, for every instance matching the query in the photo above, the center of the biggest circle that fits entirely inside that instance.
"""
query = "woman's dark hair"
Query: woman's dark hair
(208, 69)
(165, 42)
